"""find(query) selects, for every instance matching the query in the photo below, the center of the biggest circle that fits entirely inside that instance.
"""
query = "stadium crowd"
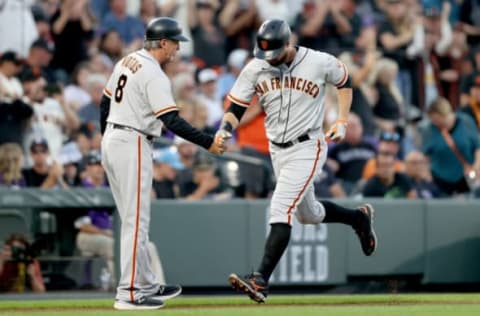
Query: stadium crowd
(414, 65)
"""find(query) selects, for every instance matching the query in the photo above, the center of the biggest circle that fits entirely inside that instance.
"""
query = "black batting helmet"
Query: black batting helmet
(164, 28)
(272, 37)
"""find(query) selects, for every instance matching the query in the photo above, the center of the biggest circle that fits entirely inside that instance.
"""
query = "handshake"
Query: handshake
(218, 146)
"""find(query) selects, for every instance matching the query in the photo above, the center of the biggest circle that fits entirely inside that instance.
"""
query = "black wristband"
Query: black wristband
(227, 126)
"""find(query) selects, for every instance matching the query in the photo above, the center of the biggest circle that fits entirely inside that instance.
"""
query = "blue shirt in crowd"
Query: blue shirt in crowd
(444, 163)
(129, 28)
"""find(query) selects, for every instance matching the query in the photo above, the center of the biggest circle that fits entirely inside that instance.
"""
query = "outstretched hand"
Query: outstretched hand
(218, 146)
(337, 132)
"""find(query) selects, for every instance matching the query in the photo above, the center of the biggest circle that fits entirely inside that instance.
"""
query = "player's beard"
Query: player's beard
(281, 59)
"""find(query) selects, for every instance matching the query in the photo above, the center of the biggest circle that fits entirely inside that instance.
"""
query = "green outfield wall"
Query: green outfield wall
(200, 243)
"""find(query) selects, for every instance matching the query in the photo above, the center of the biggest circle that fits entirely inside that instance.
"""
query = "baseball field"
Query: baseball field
(324, 305)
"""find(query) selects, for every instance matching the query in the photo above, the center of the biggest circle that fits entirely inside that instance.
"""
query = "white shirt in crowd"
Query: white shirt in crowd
(17, 27)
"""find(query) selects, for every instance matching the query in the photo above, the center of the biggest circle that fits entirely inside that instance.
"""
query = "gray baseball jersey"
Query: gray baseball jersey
(292, 97)
(293, 100)
(139, 92)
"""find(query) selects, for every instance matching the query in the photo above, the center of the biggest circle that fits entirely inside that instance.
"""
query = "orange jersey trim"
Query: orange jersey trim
(165, 110)
(238, 101)
(289, 212)
(107, 93)
(137, 218)
(345, 76)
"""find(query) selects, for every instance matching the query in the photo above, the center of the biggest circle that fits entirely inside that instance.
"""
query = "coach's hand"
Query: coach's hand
(338, 130)
(218, 145)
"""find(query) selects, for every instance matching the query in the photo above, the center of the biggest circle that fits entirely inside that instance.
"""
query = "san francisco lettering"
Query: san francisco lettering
(296, 83)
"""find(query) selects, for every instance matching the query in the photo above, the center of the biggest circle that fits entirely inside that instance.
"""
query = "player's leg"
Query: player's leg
(311, 211)
(126, 163)
(295, 169)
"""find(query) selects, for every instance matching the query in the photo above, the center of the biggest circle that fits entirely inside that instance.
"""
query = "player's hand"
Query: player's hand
(218, 145)
(224, 134)
(338, 130)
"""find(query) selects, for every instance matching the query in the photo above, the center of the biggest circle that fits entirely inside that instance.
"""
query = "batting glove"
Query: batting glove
(226, 135)
(338, 130)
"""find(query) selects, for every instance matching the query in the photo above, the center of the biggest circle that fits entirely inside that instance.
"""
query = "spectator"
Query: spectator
(389, 145)
(166, 163)
(204, 184)
(441, 74)
(130, 28)
(99, 63)
(187, 152)
(273, 9)
(208, 95)
(207, 35)
(448, 137)
(10, 67)
(326, 185)
(39, 56)
(396, 38)
(388, 183)
(417, 168)
(42, 19)
(348, 158)
(44, 173)
(184, 89)
(111, 44)
(11, 163)
(359, 67)
(70, 158)
(72, 27)
(91, 112)
(389, 103)
(473, 106)
(17, 27)
(236, 60)
(468, 79)
(332, 26)
(239, 20)
(14, 113)
(76, 94)
(148, 11)
(95, 237)
(53, 118)
(470, 21)
(19, 268)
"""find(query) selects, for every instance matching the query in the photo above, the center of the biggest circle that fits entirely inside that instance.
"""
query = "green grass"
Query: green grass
(325, 305)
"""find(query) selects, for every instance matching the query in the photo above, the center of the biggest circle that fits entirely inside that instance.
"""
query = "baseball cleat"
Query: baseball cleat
(364, 230)
(144, 303)
(253, 285)
(166, 292)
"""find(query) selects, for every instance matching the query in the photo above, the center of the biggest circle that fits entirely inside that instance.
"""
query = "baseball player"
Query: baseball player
(290, 85)
(137, 101)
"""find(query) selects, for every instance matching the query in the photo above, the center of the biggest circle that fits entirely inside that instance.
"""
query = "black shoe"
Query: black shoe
(253, 285)
(143, 303)
(166, 292)
(364, 230)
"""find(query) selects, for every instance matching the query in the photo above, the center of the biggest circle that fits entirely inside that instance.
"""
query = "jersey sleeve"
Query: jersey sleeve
(109, 88)
(335, 71)
(243, 88)
(159, 96)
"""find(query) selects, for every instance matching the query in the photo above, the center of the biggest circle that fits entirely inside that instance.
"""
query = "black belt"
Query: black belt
(131, 129)
(300, 139)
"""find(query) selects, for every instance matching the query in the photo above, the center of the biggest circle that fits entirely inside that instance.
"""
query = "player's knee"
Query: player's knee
(305, 219)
